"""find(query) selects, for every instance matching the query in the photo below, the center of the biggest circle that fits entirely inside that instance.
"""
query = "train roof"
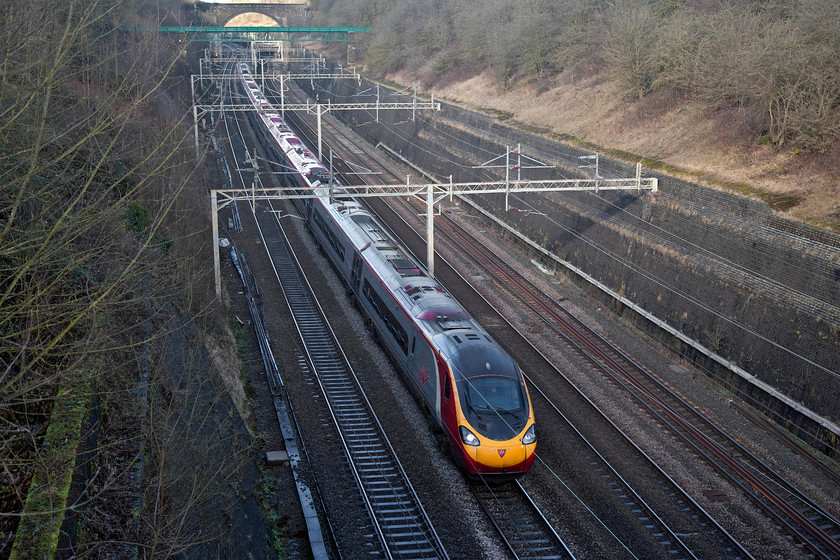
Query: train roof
(422, 297)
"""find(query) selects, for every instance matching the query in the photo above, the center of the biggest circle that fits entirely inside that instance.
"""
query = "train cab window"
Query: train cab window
(492, 382)
(488, 393)
(447, 388)
(480, 360)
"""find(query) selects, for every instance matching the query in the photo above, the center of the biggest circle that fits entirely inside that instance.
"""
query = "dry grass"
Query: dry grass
(710, 149)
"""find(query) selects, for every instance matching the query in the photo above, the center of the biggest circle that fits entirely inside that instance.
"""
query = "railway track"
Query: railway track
(791, 508)
(521, 526)
(542, 535)
(400, 526)
(403, 529)
(525, 530)
(817, 529)
(704, 534)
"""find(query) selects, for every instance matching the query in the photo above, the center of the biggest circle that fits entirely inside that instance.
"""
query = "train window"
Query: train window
(413, 344)
(331, 238)
(399, 335)
(391, 324)
(493, 392)
(367, 291)
(447, 389)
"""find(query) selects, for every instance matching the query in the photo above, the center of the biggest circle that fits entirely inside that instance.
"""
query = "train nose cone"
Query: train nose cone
(497, 458)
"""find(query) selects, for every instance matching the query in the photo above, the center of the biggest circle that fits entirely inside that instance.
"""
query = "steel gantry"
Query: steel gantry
(251, 33)
(430, 192)
(318, 109)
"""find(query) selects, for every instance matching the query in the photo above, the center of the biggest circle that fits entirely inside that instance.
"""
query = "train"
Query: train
(473, 391)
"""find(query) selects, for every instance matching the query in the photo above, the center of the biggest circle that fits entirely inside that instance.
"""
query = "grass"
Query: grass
(46, 501)
(776, 201)
(798, 185)
(241, 337)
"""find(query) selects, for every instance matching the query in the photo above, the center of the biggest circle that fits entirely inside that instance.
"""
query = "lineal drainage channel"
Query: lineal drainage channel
(292, 455)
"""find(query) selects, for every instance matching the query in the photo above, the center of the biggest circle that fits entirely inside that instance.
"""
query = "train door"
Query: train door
(356, 272)
(447, 394)
(423, 374)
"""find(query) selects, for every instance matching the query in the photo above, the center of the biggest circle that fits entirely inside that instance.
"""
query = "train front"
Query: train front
(495, 420)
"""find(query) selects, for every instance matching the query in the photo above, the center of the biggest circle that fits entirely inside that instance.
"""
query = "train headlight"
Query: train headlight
(467, 436)
(530, 436)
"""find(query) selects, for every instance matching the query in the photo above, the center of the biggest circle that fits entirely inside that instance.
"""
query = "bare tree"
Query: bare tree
(89, 184)
(677, 43)
(778, 65)
(630, 48)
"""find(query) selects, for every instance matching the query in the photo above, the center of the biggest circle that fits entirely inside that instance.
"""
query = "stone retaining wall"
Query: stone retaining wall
(760, 291)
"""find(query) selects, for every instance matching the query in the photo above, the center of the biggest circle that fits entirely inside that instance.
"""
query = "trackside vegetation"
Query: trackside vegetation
(47, 498)
(106, 299)
(774, 62)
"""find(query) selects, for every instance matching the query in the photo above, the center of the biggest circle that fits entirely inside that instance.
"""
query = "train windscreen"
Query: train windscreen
(491, 390)
(493, 393)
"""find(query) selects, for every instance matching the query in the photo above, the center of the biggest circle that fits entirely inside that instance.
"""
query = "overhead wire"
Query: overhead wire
(663, 233)
(467, 381)
(686, 296)
(656, 280)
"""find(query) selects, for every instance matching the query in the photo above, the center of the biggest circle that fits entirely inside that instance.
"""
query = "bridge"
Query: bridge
(264, 33)
(235, 12)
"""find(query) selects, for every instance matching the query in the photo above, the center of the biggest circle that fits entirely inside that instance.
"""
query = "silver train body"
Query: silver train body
(472, 389)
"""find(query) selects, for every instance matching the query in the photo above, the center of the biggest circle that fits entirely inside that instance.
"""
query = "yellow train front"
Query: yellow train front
(485, 408)
(473, 390)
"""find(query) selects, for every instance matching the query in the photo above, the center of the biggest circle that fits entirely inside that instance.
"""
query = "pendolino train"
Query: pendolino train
(472, 389)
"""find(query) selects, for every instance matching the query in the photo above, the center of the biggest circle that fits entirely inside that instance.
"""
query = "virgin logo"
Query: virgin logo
(502, 452)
